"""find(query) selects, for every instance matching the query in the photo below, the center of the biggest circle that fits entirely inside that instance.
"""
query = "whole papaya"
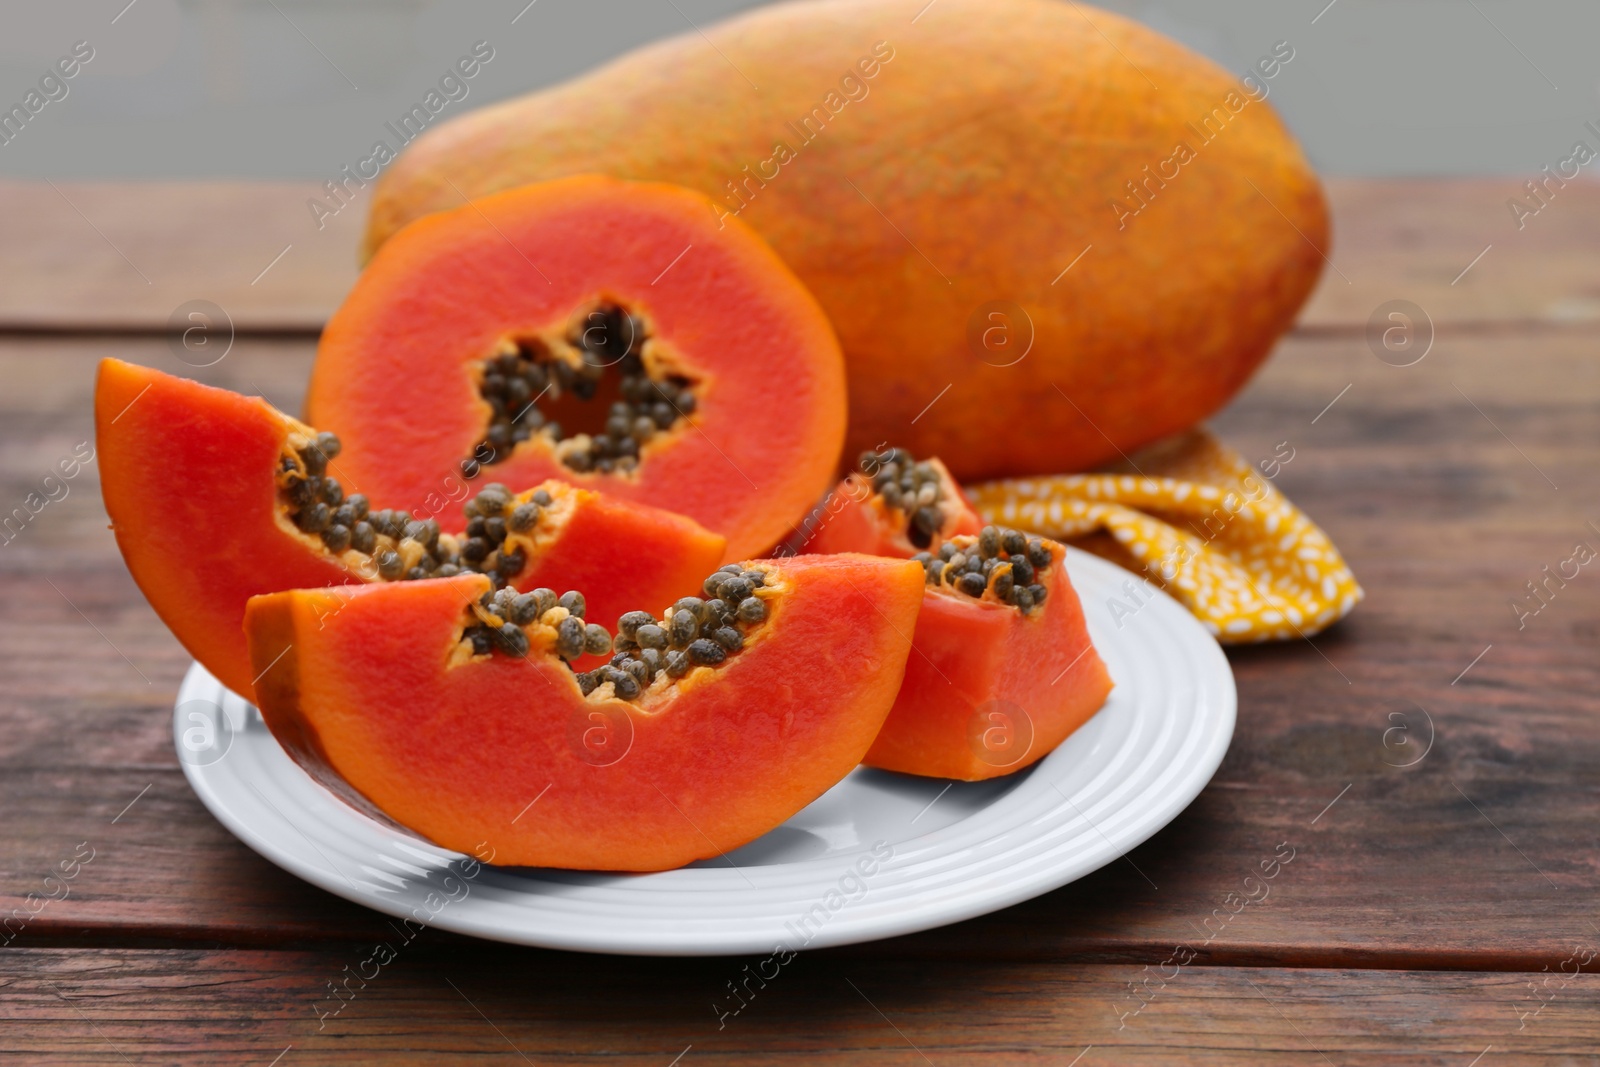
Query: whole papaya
(1044, 233)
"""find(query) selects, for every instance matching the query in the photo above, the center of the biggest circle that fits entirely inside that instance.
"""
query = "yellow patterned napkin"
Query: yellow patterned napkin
(1203, 525)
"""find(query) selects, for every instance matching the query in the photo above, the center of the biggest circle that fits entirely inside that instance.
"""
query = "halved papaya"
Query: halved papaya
(1004, 670)
(613, 334)
(713, 723)
(215, 497)
(892, 505)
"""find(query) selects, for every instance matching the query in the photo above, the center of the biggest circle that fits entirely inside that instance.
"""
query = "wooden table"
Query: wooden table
(1437, 894)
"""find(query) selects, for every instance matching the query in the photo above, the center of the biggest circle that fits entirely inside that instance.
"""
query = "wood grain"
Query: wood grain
(121, 257)
(1431, 759)
(1485, 846)
(427, 1006)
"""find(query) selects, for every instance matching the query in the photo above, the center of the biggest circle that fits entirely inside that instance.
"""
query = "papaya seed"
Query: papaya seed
(512, 639)
(625, 685)
(1038, 554)
(511, 564)
(524, 609)
(989, 542)
(685, 626)
(1002, 583)
(336, 537)
(524, 516)
(571, 638)
(705, 652)
(652, 658)
(596, 641)
(630, 622)
(316, 518)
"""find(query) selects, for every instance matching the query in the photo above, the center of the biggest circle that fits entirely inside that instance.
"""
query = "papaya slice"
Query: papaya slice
(892, 505)
(690, 742)
(1003, 669)
(608, 333)
(216, 497)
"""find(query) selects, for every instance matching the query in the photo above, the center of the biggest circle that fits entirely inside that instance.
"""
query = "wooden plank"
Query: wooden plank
(1414, 240)
(124, 256)
(1466, 859)
(426, 1006)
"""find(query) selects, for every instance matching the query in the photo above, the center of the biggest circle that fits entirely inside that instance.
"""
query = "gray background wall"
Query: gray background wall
(290, 88)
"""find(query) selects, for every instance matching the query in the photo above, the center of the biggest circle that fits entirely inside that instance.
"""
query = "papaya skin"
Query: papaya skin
(989, 150)
(366, 693)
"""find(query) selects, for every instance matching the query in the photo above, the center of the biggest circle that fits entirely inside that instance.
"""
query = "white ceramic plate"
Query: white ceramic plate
(879, 854)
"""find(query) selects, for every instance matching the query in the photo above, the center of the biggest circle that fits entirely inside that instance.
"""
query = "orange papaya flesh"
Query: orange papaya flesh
(990, 688)
(200, 486)
(376, 694)
(612, 334)
(878, 510)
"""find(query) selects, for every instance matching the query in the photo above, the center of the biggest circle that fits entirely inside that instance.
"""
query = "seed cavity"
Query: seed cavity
(1005, 564)
(522, 382)
(648, 653)
(501, 618)
(911, 489)
(397, 546)
(707, 631)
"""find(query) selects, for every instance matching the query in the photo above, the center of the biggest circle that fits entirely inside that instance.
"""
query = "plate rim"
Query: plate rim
(1158, 811)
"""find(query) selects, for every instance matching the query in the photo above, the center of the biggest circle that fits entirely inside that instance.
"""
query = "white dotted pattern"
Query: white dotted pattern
(1200, 523)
